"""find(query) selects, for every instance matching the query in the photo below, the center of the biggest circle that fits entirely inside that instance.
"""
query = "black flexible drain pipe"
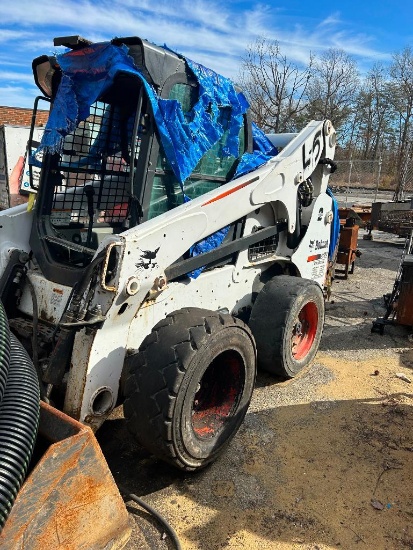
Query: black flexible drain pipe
(19, 419)
(4, 350)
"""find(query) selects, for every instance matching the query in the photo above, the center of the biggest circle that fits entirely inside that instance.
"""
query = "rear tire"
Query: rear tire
(287, 323)
(190, 385)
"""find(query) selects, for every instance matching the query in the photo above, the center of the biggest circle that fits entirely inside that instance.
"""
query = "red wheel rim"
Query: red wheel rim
(218, 394)
(304, 331)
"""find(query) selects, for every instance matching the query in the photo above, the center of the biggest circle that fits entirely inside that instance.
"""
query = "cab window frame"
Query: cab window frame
(156, 169)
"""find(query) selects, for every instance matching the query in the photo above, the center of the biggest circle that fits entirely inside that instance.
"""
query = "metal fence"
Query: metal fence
(357, 174)
(357, 177)
(405, 189)
(374, 177)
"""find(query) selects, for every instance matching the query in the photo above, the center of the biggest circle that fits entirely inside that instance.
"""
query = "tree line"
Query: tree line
(373, 113)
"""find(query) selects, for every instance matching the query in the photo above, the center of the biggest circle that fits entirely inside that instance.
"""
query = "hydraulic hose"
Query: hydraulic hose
(168, 528)
(19, 420)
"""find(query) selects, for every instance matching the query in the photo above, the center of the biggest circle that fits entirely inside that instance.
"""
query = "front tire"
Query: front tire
(287, 323)
(190, 385)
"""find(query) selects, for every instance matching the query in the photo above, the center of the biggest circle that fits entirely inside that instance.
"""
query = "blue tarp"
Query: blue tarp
(263, 151)
(335, 226)
(88, 73)
(186, 142)
(207, 244)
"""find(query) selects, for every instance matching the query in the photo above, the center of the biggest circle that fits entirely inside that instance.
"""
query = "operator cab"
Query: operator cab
(112, 172)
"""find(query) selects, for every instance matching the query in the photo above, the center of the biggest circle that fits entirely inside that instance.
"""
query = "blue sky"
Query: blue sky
(211, 32)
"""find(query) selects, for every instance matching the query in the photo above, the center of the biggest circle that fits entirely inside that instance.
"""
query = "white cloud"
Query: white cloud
(210, 32)
(331, 20)
(11, 62)
(7, 35)
(17, 96)
(12, 76)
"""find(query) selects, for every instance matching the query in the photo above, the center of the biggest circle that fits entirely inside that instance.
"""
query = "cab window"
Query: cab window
(214, 168)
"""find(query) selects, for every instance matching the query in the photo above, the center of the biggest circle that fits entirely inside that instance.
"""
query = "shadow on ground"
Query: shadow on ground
(286, 478)
(308, 469)
(352, 337)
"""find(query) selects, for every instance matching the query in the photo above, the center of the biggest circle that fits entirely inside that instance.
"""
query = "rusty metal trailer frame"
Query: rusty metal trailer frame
(393, 217)
(398, 302)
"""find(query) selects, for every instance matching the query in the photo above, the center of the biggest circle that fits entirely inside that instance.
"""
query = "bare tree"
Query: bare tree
(332, 89)
(372, 117)
(401, 72)
(275, 86)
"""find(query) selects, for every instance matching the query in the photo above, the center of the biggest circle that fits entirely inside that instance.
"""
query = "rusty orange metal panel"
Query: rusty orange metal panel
(361, 212)
(70, 500)
(404, 312)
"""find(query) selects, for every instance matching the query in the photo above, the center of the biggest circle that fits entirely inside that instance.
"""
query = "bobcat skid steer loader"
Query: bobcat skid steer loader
(172, 247)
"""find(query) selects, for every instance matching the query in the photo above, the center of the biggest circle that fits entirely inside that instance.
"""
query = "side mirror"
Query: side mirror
(46, 72)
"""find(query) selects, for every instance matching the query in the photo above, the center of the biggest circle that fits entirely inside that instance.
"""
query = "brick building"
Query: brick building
(21, 117)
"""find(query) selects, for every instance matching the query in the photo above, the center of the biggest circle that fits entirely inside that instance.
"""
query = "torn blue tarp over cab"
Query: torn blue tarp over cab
(185, 143)
(88, 73)
(263, 151)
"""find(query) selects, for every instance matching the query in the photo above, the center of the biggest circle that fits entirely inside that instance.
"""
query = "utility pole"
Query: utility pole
(349, 176)
(378, 178)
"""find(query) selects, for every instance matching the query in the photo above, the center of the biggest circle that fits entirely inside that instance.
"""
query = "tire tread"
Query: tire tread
(269, 321)
(156, 372)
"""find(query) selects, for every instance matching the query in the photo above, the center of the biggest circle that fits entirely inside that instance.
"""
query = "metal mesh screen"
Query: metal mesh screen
(356, 174)
(263, 249)
(405, 188)
(94, 171)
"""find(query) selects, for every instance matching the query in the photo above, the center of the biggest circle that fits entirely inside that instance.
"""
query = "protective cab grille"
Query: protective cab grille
(94, 185)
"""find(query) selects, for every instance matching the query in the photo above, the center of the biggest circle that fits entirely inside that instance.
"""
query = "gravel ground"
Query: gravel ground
(316, 457)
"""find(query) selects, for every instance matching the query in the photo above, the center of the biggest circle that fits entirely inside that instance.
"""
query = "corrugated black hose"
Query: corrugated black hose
(19, 416)
(4, 350)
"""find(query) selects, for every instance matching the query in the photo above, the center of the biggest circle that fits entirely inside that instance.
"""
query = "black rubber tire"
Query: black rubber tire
(189, 386)
(274, 322)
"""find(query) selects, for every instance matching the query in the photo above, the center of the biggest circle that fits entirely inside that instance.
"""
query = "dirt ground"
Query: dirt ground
(324, 461)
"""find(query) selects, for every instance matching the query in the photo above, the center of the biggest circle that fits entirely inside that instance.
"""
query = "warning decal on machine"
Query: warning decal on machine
(314, 257)
(319, 265)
